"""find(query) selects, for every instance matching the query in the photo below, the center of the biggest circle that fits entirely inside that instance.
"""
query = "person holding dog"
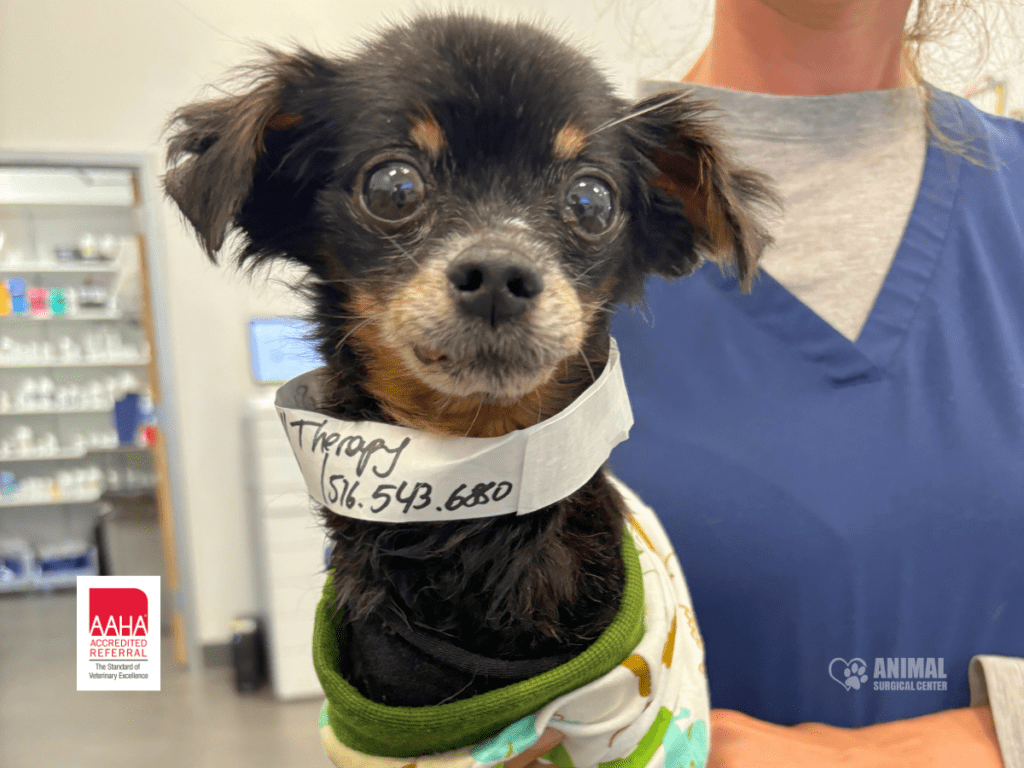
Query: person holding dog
(837, 455)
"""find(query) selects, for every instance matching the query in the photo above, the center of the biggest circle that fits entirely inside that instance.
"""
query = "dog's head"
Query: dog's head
(470, 199)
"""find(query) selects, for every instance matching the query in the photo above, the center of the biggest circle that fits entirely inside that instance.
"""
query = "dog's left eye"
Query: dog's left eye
(393, 191)
(590, 202)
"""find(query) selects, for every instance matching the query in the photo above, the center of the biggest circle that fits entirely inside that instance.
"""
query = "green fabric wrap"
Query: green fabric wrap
(384, 731)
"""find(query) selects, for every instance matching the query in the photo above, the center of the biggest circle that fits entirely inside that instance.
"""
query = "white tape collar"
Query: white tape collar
(374, 471)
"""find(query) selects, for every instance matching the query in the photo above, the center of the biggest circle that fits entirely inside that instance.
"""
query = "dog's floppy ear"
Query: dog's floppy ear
(219, 147)
(688, 172)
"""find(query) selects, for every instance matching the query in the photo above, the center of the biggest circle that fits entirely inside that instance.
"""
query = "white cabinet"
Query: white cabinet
(290, 548)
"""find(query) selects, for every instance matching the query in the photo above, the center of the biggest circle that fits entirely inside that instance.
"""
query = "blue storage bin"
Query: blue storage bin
(17, 571)
(59, 565)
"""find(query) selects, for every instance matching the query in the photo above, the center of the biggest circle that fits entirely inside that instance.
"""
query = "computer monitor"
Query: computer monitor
(281, 348)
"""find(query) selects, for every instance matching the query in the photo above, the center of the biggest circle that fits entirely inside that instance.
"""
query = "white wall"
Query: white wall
(103, 75)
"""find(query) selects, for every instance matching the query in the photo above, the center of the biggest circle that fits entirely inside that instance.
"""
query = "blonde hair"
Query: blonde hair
(937, 20)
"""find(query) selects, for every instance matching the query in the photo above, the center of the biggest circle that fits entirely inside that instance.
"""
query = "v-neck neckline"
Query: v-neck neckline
(779, 312)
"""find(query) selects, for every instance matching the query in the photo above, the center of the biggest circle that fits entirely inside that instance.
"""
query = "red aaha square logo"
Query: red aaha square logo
(115, 612)
(118, 648)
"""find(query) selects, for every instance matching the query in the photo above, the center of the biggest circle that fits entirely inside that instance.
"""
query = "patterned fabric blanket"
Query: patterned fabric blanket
(641, 697)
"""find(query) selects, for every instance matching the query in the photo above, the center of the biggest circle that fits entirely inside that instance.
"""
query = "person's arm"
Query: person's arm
(998, 682)
(988, 734)
(964, 738)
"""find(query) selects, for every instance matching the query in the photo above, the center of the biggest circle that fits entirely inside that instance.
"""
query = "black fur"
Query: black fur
(281, 164)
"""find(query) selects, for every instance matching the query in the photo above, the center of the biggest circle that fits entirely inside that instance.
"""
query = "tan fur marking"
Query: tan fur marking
(701, 202)
(283, 120)
(569, 142)
(608, 285)
(411, 403)
(601, 293)
(427, 135)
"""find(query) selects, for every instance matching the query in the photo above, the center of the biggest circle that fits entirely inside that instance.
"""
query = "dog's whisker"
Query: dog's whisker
(448, 398)
(584, 321)
(328, 316)
(345, 282)
(601, 310)
(394, 241)
(589, 368)
(638, 113)
(589, 269)
(341, 342)
(479, 408)
(373, 305)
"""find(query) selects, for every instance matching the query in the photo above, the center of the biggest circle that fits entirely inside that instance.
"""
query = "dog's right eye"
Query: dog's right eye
(591, 203)
(393, 191)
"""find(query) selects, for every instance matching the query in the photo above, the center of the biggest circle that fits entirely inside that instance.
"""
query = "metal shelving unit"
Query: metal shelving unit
(56, 269)
(83, 364)
(89, 498)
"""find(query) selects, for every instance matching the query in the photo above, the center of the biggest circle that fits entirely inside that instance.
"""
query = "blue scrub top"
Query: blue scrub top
(836, 504)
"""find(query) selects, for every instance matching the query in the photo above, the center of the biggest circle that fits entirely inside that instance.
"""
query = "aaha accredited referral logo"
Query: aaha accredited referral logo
(119, 633)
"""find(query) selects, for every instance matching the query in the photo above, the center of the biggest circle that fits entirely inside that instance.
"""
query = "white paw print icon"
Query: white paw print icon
(854, 673)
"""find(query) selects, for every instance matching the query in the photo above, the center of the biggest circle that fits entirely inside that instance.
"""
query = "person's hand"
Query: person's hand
(964, 738)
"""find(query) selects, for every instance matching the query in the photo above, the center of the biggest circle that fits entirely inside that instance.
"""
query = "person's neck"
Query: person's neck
(787, 48)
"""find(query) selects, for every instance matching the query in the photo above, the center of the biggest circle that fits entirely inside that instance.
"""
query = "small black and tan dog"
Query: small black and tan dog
(470, 201)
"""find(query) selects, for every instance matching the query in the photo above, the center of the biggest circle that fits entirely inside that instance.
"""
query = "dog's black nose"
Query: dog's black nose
(494, 283)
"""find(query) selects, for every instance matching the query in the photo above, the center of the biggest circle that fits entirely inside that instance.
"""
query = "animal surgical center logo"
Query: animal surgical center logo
(890, 674)
(119, 633)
